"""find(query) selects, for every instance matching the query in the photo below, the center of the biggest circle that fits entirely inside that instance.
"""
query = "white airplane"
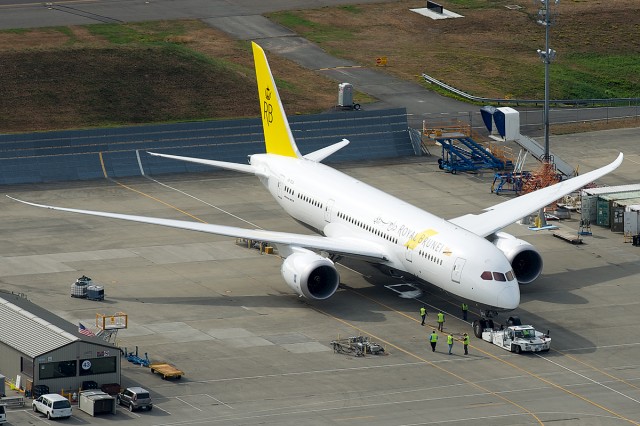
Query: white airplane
(466, 256)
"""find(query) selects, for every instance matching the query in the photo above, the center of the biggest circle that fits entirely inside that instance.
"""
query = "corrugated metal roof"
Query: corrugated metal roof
(631, 202)
(611, 189)
(24, 330)
(620, 196)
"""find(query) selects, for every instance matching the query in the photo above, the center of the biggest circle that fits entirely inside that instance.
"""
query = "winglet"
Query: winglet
(277, 134)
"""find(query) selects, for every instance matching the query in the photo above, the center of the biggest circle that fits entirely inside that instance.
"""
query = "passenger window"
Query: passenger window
(486, 275)
(510, 276)
(499, 276)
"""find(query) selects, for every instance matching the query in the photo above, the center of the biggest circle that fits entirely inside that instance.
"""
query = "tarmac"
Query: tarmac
(254, 352)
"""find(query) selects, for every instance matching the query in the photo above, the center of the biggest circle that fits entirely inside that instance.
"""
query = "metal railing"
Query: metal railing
(536, 102)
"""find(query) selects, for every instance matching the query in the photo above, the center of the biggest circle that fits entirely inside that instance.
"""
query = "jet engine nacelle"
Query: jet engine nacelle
(310, 275)
(524, 258)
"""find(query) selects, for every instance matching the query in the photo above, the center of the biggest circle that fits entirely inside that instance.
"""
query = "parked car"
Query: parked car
(53, 406)
(135, 398)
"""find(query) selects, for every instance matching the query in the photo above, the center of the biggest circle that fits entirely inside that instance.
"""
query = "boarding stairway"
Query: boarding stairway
(537, 151)
(464, 154)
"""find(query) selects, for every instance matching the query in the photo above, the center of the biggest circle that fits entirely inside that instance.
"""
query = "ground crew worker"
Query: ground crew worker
(450, 342)
(433, 339)
(423, 314)
(465, 309)
(440, 321)
(465, 341)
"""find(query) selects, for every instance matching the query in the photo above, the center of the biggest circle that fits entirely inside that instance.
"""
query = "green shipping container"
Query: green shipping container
(603, 213)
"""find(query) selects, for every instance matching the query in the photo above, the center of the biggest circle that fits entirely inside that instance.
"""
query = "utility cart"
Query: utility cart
(167, 371)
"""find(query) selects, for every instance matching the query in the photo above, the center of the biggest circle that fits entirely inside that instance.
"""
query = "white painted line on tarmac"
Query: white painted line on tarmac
(271, 412)
(162, 409)
(190, 405)
(139, 162)
(587, 378)
(216, 399)
(600, 347)
(204, 202)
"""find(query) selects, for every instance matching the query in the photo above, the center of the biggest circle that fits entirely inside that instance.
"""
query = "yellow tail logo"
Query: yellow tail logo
(277, 134)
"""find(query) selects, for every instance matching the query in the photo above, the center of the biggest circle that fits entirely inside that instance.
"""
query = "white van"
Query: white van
(53, 406)
(3, 413)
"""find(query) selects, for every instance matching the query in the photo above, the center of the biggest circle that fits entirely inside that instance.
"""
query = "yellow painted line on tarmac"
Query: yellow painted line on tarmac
(104, 169)
(504, 361)
(151, 196)
(426, 361)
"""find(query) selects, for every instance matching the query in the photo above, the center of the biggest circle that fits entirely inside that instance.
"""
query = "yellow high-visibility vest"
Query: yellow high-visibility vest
(434, 337)
(450, 339)
(465, 307)
(423, 311)
(466, 339)
(440, 317)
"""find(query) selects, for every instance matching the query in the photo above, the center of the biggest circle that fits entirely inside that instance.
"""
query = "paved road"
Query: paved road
(30, 14)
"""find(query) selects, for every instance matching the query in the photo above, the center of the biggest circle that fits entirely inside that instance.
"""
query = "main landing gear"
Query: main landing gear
(483, 323)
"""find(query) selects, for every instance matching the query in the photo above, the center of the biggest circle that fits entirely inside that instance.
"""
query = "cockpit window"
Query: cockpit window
(486, 275)
(499, 276)
(510, 276)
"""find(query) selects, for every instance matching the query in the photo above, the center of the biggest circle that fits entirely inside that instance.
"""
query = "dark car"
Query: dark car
(38, 390)
(134, 398)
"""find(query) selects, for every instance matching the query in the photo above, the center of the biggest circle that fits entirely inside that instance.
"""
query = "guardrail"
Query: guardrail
(556, 102)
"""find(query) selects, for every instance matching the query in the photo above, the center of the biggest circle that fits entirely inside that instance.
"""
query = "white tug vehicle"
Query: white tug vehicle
(517, 338)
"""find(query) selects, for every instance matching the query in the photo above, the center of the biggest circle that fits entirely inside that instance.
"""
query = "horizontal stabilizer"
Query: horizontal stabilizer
(323, 153)
(244, 168)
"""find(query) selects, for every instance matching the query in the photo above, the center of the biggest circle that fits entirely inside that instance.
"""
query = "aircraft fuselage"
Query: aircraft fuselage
(424, 245)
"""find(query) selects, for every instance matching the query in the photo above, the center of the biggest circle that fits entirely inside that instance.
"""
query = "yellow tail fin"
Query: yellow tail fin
(277, 134)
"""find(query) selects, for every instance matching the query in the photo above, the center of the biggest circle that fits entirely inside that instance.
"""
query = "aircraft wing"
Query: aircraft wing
(344, 246)
(508, 212)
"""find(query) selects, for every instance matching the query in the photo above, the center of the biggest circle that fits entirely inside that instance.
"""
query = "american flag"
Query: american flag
(84, 330)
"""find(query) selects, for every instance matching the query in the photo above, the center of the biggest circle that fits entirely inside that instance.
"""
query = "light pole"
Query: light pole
(547, 56)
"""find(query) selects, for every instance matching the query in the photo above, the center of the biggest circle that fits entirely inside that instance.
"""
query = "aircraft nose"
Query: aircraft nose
(509, 298)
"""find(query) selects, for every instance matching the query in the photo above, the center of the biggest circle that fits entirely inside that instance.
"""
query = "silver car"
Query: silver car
(134, 398)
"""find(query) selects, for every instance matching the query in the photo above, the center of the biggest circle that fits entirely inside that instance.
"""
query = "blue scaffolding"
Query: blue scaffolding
(464, 154)
(509, 182)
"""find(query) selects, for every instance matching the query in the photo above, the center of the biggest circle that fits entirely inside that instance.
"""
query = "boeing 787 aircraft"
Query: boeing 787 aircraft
(466, 256)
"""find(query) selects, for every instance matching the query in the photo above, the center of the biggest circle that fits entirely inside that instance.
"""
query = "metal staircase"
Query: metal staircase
(464, 154)
(538, 151)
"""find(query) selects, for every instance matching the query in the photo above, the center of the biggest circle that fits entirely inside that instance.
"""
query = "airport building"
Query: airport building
(40, 348)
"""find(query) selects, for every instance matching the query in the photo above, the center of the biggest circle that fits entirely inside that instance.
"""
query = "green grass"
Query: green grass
(476, 4)
(143, 32)
(313, 31)
(16, 31)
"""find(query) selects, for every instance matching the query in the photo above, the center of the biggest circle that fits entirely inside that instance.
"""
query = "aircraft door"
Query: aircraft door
(280, 186)
(456, 273)
(327, 210)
